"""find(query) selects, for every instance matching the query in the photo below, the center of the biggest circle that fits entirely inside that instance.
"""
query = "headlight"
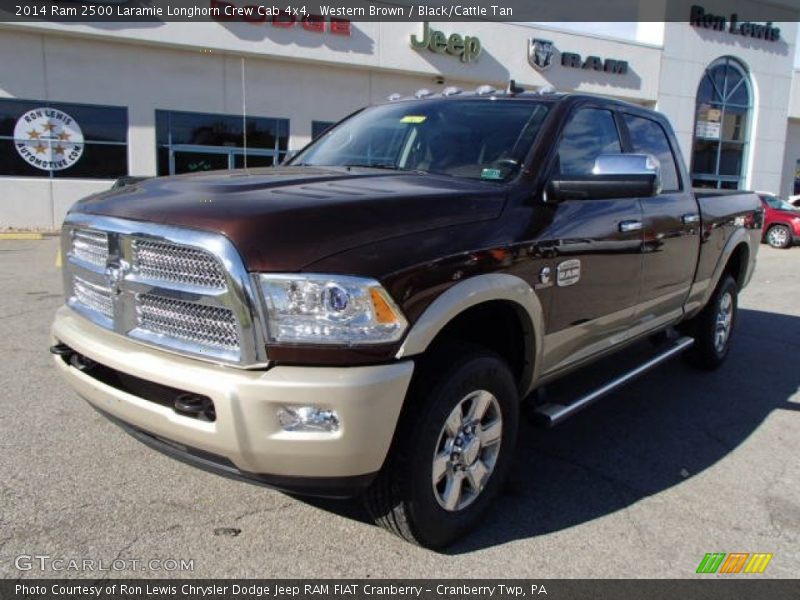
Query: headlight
(329, 309)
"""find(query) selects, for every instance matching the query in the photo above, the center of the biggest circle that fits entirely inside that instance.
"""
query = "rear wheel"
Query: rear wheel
(452, 450)
(713, 327)
(779, 236)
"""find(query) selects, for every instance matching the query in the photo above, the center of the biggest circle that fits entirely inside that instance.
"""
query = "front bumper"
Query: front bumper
(246, 439)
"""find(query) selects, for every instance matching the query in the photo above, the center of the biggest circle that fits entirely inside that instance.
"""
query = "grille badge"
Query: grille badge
(115, 272)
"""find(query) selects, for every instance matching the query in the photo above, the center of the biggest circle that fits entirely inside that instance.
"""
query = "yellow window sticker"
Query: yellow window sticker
(413, 119)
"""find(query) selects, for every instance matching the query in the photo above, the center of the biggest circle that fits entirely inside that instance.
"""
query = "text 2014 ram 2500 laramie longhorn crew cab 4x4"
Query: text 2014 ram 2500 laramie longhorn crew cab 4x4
(365, 320)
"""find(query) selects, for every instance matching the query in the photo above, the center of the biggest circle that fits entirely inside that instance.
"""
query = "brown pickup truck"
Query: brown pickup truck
(366, 320)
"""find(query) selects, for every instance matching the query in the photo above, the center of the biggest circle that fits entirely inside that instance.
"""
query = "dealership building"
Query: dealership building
(83, 104)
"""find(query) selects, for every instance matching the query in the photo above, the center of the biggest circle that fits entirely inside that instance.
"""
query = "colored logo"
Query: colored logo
(736, 562)
(48, 139)
(466, 47)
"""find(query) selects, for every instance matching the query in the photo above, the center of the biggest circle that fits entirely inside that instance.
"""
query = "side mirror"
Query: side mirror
(613, 176)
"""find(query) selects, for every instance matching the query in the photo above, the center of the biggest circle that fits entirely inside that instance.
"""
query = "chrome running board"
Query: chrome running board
(552, 414)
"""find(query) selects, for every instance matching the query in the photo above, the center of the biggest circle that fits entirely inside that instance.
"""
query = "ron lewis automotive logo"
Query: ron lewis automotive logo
(48, 139)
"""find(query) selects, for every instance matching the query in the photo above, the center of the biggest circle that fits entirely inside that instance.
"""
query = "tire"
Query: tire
(453, 383)
(779, 236)
(713, 327)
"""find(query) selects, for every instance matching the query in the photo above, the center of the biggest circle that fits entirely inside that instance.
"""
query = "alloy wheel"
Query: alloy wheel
(467, 449)
(778, 237)
(724, 321)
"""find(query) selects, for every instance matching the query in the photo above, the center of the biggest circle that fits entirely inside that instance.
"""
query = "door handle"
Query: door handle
(626, 226)
(690, 218)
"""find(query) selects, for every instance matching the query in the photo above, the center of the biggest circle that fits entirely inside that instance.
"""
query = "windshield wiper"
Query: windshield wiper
(374, 166)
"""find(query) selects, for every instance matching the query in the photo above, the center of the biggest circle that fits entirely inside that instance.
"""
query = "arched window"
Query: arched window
(722, 126)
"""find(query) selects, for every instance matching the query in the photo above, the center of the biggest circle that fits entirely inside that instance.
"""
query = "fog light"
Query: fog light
(308, 418)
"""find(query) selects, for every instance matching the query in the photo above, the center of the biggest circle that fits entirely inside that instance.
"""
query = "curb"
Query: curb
(20, 235)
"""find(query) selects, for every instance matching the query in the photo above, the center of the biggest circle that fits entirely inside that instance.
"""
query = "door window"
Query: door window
(648, 137)
(590, 133)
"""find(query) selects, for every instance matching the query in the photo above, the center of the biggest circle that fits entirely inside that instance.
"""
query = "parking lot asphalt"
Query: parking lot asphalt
(642, 484)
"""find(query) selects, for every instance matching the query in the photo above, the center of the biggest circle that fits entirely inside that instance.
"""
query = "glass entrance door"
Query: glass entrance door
(194, 159)
(197, 142)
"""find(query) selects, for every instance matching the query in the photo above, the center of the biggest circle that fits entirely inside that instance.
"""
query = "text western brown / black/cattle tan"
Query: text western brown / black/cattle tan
(366, 319)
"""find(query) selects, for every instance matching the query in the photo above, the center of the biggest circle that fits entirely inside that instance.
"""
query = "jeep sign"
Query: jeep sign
(467, 48)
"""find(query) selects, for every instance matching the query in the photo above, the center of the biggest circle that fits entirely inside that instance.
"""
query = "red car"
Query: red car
(781, 221)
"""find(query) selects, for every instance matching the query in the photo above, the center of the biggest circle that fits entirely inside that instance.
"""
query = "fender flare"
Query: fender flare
(472, 292)
(740, 236)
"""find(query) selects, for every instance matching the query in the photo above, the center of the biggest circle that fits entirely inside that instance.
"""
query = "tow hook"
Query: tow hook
(193, 405)
(78, 361)
(62, 350)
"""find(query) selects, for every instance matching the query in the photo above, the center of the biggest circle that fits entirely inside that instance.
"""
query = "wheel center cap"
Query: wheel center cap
(471, 451)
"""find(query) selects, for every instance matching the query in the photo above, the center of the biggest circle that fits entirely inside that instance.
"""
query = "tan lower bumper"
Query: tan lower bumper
(247, 431)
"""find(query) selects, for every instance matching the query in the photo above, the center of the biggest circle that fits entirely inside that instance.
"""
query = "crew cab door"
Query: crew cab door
(596, 247)
(671, 223)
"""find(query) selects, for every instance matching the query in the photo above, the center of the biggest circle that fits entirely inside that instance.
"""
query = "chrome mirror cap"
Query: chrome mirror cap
(630, 164)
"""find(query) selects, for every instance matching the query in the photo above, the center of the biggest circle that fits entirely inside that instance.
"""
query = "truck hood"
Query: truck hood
(284, 218)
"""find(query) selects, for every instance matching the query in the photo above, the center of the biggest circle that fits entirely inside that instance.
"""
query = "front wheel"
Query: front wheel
(452, 450)
(779, 236)
(713, 327)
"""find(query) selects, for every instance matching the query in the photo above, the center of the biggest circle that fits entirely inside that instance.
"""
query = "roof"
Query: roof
(512, 91)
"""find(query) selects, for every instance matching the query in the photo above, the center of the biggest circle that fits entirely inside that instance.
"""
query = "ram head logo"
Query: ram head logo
(540, 53)
(115, 274)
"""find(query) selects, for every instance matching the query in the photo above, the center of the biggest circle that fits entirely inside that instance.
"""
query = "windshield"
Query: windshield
(777, 203)
(478, 139)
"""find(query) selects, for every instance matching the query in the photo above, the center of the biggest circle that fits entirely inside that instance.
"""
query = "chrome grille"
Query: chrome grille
(180, 289)
(163, 261)
(95, 297)
(198, 323)
(91, 246)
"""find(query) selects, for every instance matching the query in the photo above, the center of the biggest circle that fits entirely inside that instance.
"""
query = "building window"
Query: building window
(796, 186)
(722, 124)
(62, 140)
(320, 127)
(189, 142)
